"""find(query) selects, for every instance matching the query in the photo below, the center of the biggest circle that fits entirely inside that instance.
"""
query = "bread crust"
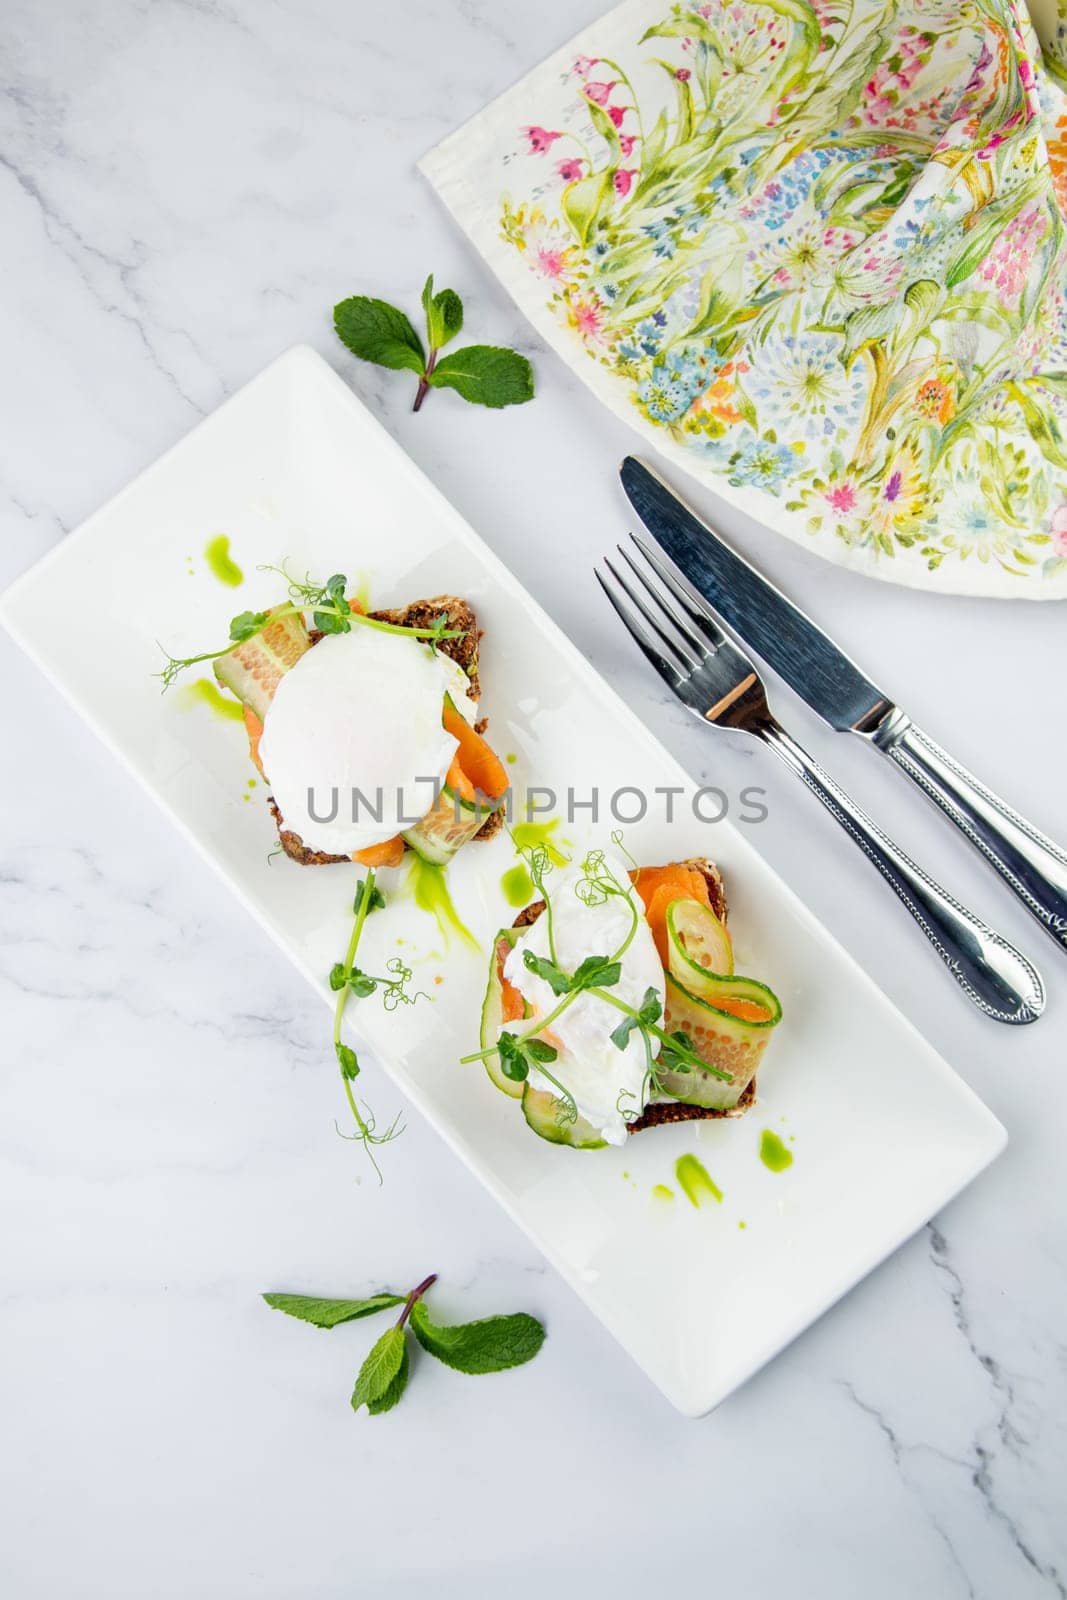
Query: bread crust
(460, 616)
(665, 1111)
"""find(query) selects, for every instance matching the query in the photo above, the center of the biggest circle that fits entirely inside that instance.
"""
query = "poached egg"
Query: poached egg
(607, 1083)
(353, 742)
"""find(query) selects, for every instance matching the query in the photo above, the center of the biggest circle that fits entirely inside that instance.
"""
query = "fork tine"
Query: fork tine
(668, 670)
(695, 608)
(692, 639)
(675, 639)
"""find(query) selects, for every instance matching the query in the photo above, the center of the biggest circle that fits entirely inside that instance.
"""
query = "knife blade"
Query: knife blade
(796, 647)
(1032, 866)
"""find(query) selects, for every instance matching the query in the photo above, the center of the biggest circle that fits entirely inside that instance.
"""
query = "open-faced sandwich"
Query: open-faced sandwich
(365, 726)
(612, 1004)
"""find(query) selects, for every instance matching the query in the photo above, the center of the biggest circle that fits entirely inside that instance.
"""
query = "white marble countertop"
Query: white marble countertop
(186, 187)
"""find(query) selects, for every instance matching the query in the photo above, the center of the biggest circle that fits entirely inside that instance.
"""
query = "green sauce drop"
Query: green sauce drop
(206, 692)
(217, 556)
(773, 1153)
(517, 886)
(511, 758)
(695, 1182)
(528, 835)
(660, 1191)
(429, 887)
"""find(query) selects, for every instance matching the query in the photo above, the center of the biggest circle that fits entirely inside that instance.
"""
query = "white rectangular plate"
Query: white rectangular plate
(294, 468)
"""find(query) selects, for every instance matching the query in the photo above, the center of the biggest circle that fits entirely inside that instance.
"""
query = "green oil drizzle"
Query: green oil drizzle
(217, 556)
(517, 886)
(429, 889)
(511, 758)
(660, 1191)
(206, 692)
(694, 1181)
(529, 835)
(773, 1153)
(251, 783)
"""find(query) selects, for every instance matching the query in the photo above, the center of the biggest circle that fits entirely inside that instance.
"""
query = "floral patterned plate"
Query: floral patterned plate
(815, 253)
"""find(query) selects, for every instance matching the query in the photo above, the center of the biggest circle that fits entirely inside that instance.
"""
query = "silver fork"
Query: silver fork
(680, 634)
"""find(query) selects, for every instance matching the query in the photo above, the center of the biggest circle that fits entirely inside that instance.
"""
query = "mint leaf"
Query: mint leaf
(328, 1313)
(444, 314)
(379, 1369)
(376, 331)
(485, 375)
(490, 1345)
(389, 1397)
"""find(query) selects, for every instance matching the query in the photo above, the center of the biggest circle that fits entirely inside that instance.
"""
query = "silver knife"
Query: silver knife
(832, 684)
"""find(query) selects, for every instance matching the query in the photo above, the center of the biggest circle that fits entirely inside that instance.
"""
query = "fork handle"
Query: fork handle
(991, 972)
(1027, 861)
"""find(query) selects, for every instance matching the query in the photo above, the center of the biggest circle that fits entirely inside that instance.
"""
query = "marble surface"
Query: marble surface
(186, 187)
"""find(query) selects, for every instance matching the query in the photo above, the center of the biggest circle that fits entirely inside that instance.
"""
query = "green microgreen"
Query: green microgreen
(348, 979)
(648, 1013)
(596, 975)
(518, 1055)
(330, 613)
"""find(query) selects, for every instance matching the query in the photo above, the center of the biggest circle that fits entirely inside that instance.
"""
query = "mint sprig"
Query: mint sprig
(484, 374)
(490, 1344)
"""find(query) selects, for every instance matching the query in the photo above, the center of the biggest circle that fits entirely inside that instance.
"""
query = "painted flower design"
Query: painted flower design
(763, 464)
(803, 388)
(587, 316)
(836, 274)
(1007, 265)
(540, 139)
(1058, 529)
(665, 395)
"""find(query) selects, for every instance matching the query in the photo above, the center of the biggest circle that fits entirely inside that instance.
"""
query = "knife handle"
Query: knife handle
(1029, 863)
(991, 972)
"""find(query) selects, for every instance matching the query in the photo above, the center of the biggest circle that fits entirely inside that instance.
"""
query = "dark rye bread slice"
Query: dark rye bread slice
(463, 651)
(655, 1116)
